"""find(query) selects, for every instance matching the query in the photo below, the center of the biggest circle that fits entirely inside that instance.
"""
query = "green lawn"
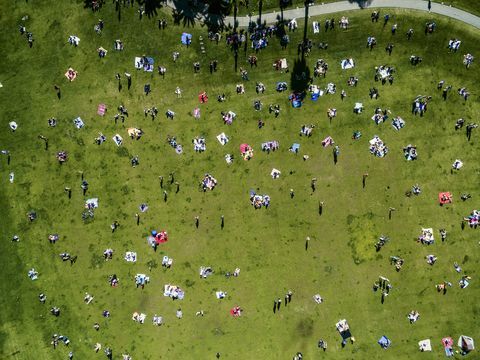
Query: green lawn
(267, 245)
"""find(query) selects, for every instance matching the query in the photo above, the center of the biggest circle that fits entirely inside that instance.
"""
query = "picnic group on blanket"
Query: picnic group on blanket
(260, 36)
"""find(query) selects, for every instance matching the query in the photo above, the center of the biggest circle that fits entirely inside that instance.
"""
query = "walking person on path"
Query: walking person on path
(429, 6)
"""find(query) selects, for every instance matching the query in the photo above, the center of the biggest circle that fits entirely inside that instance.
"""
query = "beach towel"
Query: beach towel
(102, 108)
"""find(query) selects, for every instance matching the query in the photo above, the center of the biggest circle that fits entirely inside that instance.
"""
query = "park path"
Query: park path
(323, 9)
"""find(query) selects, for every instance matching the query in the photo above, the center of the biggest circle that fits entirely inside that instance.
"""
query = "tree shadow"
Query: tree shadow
(361, 3)
(211, 12)
(182, 17)
(300, 75)
(151, 6)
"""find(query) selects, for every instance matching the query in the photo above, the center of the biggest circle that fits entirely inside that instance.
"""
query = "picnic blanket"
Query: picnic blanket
(91, 203)
(316, 27)
(102, 108)
(78, 122)
(118, 139)
(140, 318)
(275, 173)
(145, 63)
(347, 64)
(425, 345)
(384, 342)
(220, 294)
(71, 74)
(130, 256)
(74, 40)
(173, 292)
(222, 138)
(186, 39)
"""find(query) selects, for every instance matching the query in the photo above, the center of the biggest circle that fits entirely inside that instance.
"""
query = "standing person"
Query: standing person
(343, 94)
(165, 195)
(307, 240)
(178, 187)
(44, 139)
(197, 221)
(364, 180)
(313, 184)
(57, 89)
(292, 194)
(390, 210)
(274, 306)
(279, 303)
(409, 33)
(114, 226)
(161, 181)
(336, 151)
(138, 219)
(222, 224)
(429, 6)
(129, 80)
(84, 186)
(69, 192)
(70, 355)
(394, 28)
(385, 19)
(320, 208)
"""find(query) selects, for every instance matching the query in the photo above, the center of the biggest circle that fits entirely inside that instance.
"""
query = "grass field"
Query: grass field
(267, 245)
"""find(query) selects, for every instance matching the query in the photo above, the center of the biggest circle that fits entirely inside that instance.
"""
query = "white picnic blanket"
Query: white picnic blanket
(220, 294)
(275, 173)
(118, 139)
(92, 203)
(131, 256)
(347, 64)
(138, 62)
(222, 138)
(78, 122)
(425, 345)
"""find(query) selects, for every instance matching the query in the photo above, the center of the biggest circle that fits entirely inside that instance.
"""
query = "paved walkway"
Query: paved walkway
(339, 6)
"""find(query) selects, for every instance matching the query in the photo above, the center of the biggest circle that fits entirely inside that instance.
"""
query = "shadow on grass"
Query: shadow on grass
(300, 75)
(361, 3)
(151, 6)
(183, 17)
(211, 13)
